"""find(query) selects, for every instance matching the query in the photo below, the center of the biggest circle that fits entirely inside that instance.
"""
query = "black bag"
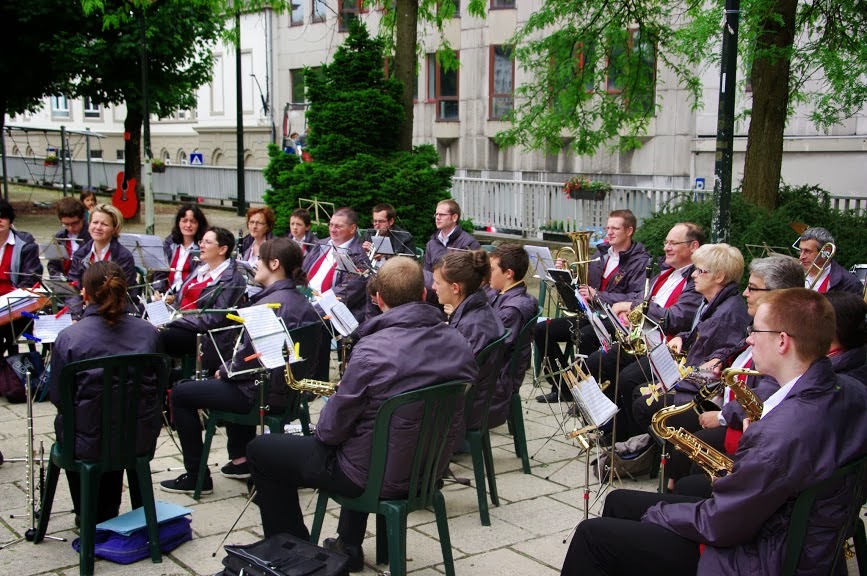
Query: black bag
(12, 375)
(283, 555)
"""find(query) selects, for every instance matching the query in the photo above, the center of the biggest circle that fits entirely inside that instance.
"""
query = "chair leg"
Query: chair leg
(318, 517)
(860, 545)
(443, 529)
(381, 539)
(396, 529)
(143, 472)
(520, 435)
(475, 440)
(210, 429)
(304, 417)
(488, 453)
(47, 502)
(90, 480)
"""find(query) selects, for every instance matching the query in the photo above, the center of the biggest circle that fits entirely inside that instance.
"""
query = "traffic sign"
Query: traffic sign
(197, 159)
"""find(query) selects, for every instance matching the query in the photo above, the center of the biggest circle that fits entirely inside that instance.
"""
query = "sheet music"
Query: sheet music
(345, 263)
(19, 299)
(382, 245)
(266, 333)
(158, 313)
(541, 260)
(147, 250)
(55, 249)
(595, 406)
(664, 367)
(46, 328)
(341, 318)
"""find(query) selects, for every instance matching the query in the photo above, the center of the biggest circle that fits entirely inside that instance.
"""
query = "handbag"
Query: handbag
(283, 555)
(13, 376)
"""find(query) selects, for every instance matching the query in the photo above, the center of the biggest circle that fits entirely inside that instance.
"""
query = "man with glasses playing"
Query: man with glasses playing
(383, 225)
(71, 213)
(810, 428)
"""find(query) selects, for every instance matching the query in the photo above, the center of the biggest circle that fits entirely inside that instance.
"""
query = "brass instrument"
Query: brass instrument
(744, 396)
(319, 387)
(820, 264)
(580, 250)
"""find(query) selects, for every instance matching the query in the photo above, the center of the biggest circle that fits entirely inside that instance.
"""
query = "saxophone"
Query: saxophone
(320, 387)
(744, 395)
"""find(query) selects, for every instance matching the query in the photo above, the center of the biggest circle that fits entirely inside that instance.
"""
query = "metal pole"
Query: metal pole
(87, 146)
(722, 186)
(147, 183)
(239, 112)
(5, 169)
(63, 157)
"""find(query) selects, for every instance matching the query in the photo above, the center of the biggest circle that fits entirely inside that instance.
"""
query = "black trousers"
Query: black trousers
(178, 342)
(696, 485)
(634, 373)
(190, 395)
(549, 335)
(619, 543)
(282, 463)
(643, 413)
(110, 491)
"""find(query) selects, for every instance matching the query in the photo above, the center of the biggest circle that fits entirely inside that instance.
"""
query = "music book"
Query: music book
(158, 313)
(339, 315)
(541, 260)
(664, 367)
(595, 406)
(47, 327)
(266, 334)
(147, 250)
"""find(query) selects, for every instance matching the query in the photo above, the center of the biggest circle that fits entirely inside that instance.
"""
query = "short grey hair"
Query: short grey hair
(820, 235)
(778, 271)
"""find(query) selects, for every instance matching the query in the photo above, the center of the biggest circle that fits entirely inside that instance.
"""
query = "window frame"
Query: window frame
(93, 112)
(438, 98)
(316, 17)
(56, 110)
(494, 6)
(491, 94)
(292, 21)
(342, 23)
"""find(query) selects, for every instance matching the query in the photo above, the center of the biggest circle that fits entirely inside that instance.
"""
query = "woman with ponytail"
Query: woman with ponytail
(458, 280)
(104, 330)
(279, 272)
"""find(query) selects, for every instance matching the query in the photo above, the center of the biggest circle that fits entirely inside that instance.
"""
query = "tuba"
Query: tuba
(319, 387)
(580, 250)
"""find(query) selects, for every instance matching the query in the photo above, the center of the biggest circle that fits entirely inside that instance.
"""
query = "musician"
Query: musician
(72, 216)
(19, 268)
(810, 428)
(260, 223)
(449, 235)
(835, 278)
(514, 306)
(105, 329)
(217, 284)
(718, 324)
(616, 273)
(299, 229)
(458, 278)
(179, 247)
(279, 272)
(337, 456)
(322, 267)
(383, 225)
(722, 428)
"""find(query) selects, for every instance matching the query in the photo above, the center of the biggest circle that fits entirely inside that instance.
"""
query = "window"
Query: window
(217, 86)
(59, 106)
(638, 52)
(349, 10)
(501, 82)
(296, 16)
(119, 155)
(183, 115)
(296, 77)
(443, 88)
(318, 11)
(96, 154)
(91, 110)
(502, 4)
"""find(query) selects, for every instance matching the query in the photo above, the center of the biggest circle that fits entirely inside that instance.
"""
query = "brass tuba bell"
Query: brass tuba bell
(580, 249)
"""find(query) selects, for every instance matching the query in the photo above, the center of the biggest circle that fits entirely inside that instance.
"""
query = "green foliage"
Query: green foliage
(355, 113)
(756, 226)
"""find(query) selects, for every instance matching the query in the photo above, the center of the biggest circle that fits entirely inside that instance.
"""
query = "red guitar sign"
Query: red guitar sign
(125, 198)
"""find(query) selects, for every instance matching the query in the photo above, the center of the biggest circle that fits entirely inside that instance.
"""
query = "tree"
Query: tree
(810, 54)
(356, 113)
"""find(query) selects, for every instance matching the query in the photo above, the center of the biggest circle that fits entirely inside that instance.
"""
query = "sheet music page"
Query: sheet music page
(541, 260)
(56, 249)
(339, 315)
(158, 313)
(383, 245)
(46, 328)
(18, 299)
(594, 404)
(664, 367)
(267, 334)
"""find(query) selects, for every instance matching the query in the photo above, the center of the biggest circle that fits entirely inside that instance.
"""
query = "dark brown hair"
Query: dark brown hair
(303, 214)
(470, 269)
(512, 256)
(629, 219)
(851, 314)
(105, 285)
(288, 253)
(69, 207)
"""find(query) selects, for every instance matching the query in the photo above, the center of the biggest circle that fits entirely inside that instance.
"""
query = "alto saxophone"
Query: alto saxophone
(742, 393)
(320, 387)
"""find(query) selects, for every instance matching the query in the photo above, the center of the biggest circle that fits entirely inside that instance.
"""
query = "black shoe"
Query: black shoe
(238, 471)
(186, 484)
(550, 398)
(355, 553)
(1, 458)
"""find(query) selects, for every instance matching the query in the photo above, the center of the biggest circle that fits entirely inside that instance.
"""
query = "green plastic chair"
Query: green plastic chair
(479, 438)
(799, 521)
(440, 404)
(419, 253)
(308, 338)
(119, 420)
(516, 416)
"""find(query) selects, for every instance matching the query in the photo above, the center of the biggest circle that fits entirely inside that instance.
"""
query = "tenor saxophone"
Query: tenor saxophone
(320, 387)
(748, 400)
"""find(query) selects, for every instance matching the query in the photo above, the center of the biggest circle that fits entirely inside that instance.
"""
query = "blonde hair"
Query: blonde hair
(720, 258)
(113, 213)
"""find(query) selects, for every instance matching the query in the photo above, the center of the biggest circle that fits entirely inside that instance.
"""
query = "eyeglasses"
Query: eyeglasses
(255, 223)
(442, 214)
(701, 271)
(336, 226)
(751, 288)
(751, 331)
(668, 243)
(205, 242)
(380, 221)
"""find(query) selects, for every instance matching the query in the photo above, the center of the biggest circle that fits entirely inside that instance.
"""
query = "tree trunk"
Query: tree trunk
(132, 154)
(406, 37)
(770, 80)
